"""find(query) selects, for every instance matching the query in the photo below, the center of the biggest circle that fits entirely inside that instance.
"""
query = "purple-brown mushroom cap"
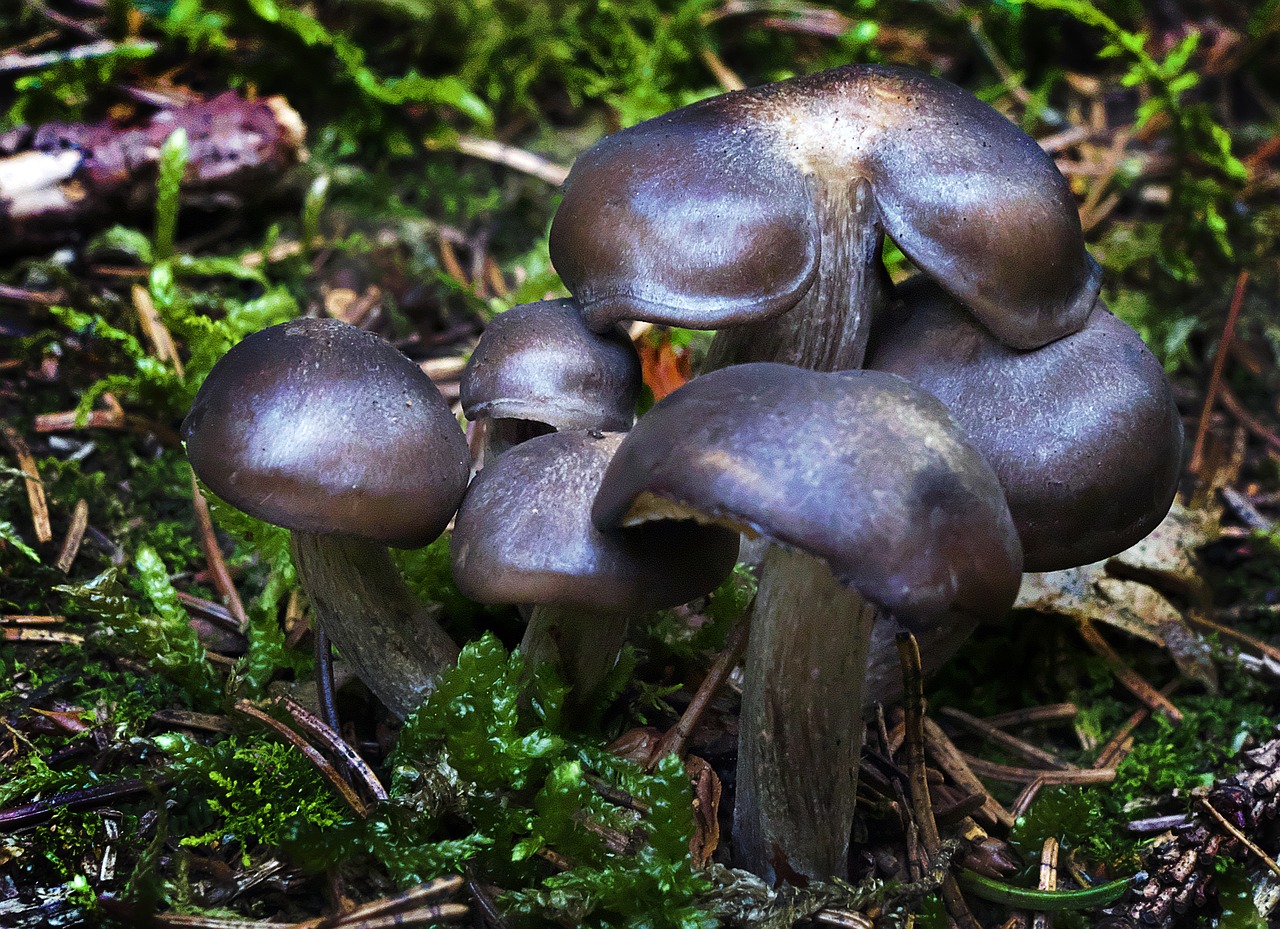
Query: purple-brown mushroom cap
(712, 215)
(318, 426)
(524, 535)
(857, 468)
(539, 362)
(1083, 432)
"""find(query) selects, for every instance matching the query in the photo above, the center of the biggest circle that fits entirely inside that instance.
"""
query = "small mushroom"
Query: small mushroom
(769, 202)
(524, 535)
(874, 502)
(1083, 433)
(328, 431)
(538, 368)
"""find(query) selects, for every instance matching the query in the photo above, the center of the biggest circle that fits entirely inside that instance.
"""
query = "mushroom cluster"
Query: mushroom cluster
(906, 452)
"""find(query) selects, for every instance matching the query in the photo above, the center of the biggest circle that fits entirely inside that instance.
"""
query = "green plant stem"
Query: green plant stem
(1042, 900)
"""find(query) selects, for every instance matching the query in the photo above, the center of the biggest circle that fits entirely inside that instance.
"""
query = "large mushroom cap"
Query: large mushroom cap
(540, 362)
(524, 535)
(318, 426)
(858, 468)
(710, 215)
(1083, 433)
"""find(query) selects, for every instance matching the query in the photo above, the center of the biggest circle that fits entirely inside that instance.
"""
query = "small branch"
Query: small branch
(1131, 679)
(913, 746)
(332, 740)
(218, 572)
(509, 156)
(319, 762)
(1215, 378)
(1015, 775)
(1050, 713)
(1004, 740)
(949, 758)
(677, 737)
(75, 535)
(35, 489)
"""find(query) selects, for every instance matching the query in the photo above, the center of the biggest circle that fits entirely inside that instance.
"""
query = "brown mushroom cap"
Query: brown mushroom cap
(540, 362)
(1083, 433)
(318, 426)
(524, 535)
(707, 216)
(858, 468)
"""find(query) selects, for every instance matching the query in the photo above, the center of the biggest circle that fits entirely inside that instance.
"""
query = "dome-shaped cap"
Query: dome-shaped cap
(524, 535)
(857, 468)
(708, 216)
(1083, 433)
(540, 362)
(318, 426)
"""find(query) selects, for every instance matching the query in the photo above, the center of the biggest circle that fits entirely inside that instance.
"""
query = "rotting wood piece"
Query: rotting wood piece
(59, 180)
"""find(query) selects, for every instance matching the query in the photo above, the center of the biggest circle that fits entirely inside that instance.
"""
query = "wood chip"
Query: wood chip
(75, 535)
(35, 489)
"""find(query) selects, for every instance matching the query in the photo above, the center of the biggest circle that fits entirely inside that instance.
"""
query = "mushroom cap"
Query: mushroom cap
(1083, 433)
(707, 216)
(318, 426)
(857, 468)
(540, 362)
(524, 535)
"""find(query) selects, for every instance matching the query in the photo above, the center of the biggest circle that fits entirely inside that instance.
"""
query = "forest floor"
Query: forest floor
(395, 164)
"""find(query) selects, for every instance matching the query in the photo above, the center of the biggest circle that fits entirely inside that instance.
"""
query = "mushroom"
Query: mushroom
(762, 210)
(328, 431)
(875, 502)
(524, 535)
(1083, 433)
(538, 368)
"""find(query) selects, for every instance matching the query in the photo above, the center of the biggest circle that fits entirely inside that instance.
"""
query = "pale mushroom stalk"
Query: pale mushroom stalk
(582, 644)
(801, 727)
(391, 639)
(828, 329)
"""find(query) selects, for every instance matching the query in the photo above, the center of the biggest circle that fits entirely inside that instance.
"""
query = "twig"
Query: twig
(26, 619)
(51, 636)
(1227, 632)
(154, 329)
(1115, 750)
(75, 535)
(1049, 713)
(1247, 419)
(333, 740)
(325, 695)
(509, 156)
(1215, 378)
(913, 746)
(725, 76)
(1131, 679)
(1239, 836)
(1006, 741)
(1048, 879)
(676, 738)
(948, 757)
(321, 764)
(1015, 775)
(218, 572)
(39, 810)
(35, 489)
(1026, 797)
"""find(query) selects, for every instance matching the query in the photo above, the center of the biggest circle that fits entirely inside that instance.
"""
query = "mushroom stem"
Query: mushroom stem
(583, 645)
(392, 641)
(828, 329)
(801, 723)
